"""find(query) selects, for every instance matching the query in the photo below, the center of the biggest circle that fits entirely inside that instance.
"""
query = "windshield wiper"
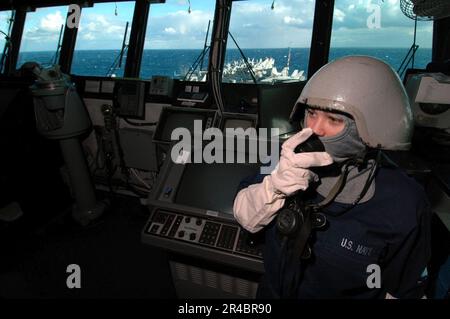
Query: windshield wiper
(247, 64)
(117, 64)
(58, 47)
(199, 60)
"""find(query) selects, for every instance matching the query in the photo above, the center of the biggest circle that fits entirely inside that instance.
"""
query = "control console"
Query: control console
(205, 237)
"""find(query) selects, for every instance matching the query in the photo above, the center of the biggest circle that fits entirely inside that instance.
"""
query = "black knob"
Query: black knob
(181, 233)
(198, 222)
(187, 219)
(192, 236)
(289, 221)
(319, 220)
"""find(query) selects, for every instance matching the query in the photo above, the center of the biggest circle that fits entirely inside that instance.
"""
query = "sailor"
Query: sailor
(373, 240)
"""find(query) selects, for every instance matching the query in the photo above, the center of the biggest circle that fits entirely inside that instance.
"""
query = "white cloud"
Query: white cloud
(115, 29)
(292, 20)
(91, 26)
(250, 8)
(103, 21)
(52, 21)
(100, 30)
(288, 25)
(183, 29)
(253, 24)
(170, 30)
(179, 29)
(88, 36)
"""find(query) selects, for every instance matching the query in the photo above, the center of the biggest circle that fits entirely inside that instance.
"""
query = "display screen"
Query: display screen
(212, 186)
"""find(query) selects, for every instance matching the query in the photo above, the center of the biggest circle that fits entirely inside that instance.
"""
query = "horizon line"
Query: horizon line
(199, 49)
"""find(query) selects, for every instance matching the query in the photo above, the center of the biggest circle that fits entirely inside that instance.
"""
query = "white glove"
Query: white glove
(255, 206)
(292, 173)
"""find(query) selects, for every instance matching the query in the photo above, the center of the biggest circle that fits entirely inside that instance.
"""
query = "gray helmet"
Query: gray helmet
(370, 91)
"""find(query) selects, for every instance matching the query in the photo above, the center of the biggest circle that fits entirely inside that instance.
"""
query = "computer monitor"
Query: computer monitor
(275, 106)
(202, 188)
(212, 186)
(177, 117)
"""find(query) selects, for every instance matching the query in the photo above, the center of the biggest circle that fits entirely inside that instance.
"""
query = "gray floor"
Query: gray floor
(113, 261)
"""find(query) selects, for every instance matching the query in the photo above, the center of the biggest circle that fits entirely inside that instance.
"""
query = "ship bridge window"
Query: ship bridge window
(274, 37)
(5, 18)
(41, 36)
(177, 39)
(100, 49)
(379, 29)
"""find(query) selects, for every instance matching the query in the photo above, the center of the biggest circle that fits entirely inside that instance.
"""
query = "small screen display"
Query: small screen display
(213, 186)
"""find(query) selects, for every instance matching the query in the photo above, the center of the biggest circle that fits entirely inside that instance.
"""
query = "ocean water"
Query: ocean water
(175, 63)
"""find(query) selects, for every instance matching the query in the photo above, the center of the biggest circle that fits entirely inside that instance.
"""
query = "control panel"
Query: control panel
(193, 94)
(223, 241)
(129, 98)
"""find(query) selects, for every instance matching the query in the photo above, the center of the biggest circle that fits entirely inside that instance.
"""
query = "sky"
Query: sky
(253, 23)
